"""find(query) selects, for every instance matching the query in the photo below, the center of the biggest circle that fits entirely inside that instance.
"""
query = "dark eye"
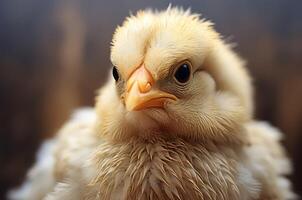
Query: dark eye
(115, 74)
(183, 72)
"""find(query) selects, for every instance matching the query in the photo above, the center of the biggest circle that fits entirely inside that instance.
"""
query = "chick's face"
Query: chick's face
(162, 81)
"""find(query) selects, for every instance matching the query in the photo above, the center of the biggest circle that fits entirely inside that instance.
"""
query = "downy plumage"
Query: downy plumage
(175, 121)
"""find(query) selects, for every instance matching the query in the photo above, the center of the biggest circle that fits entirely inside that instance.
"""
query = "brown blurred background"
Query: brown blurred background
(54, 54)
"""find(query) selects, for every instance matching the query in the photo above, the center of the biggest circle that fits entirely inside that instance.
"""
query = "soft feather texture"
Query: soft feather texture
(205, 145)
(35, 187)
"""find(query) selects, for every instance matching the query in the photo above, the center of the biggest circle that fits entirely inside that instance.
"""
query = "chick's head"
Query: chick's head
(173, 75)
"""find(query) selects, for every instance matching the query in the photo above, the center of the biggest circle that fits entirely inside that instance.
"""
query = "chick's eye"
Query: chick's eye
(115, 74)
(183, 72)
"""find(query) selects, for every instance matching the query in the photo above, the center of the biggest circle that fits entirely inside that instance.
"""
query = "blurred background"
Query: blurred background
(54, 55)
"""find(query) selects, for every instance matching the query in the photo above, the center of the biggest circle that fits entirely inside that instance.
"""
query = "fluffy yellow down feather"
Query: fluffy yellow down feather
(202, 144)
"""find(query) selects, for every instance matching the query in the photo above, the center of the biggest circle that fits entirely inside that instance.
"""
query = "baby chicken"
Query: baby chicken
(174, 121)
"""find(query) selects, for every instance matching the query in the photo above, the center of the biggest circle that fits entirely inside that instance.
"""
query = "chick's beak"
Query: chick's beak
(140, 93)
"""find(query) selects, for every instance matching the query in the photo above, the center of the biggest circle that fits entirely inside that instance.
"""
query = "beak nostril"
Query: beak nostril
(144, 87)
(148, 86)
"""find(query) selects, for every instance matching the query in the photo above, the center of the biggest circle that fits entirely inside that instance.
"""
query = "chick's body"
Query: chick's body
(176, 123)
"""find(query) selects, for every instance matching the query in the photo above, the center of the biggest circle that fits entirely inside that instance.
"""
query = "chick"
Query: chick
(174, 121)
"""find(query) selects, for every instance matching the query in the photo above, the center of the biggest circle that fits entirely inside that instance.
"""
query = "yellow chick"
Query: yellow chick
(174, 121)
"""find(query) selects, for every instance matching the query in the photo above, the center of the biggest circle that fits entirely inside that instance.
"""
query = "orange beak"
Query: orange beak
(140, 93)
